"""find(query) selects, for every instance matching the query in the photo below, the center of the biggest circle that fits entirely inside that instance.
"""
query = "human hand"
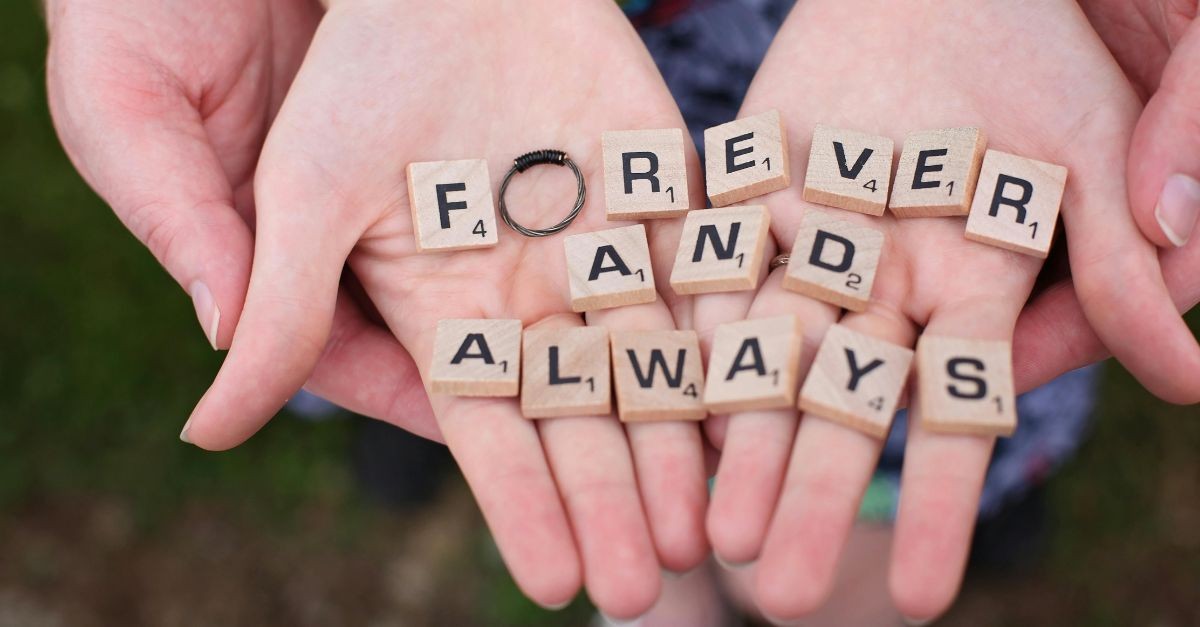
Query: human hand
(1157, 43)
(387, 83)
(1041, 85)
(163, 108)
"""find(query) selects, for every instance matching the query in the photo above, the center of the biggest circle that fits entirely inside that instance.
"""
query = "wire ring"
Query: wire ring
(778, 262)
(542, 157)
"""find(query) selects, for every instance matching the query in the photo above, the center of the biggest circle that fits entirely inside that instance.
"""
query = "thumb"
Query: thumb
(300, 250)
(1164, 160)
(144, 149)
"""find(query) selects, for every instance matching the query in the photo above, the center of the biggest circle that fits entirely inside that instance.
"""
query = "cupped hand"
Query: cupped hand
(391, 82)
(1034, 76)
(1157, 43)
(163, 108)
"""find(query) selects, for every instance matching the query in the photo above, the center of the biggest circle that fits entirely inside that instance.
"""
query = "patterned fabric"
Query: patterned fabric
(708, 55)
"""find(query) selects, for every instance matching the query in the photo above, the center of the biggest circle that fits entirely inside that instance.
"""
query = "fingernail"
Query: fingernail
(916, 622)
(731, 565)
(206, 311)
(616, 622)
(1178, 208)
(782, 622)
(183, 435)
(556, 607)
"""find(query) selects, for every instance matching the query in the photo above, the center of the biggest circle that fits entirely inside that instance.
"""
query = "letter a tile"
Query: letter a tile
(645, 174)
(475, 357)
(754, 364)
(965, 386)
(565, 372)
(937, 173)
(721, 250)
(856, 380)
(834, 260)
(849, 170)
(609, 268)
(1016, 203)
(451, 204)
(746, 158)
(658, 375)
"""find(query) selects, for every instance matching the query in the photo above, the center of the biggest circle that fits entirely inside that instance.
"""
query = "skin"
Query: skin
(378, 91)
(168, 127)
(1055, 96)
(1157, 43)
(163, 109)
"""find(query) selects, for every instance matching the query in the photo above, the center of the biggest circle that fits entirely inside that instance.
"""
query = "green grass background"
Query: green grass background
(101, 360)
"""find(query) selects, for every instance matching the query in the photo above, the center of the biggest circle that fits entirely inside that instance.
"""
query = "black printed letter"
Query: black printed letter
(445, 206)
(919, 181)
(709, 232)
(749, 345)
(598, 267)
(952, 369)
(730, 153)
(1019, 204)
(856, 373)
(819, 250)
(464, 351)
(850, 173)
(630, 176)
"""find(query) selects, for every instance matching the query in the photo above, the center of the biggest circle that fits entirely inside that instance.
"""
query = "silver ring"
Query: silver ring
(542, 157)
(778, 262)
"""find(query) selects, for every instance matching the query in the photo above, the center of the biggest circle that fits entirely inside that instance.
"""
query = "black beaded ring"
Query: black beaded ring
(542, 157)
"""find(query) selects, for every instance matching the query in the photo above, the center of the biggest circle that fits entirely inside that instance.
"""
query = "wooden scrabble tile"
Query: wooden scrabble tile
(849, 170)
(476, 357)
(965, 386)
(746, 158)
(754, 364)
(1016, 203)
(565, 372)
(609, 268)
(645, 174)
(721, 250)
(856, 380)
(937, 173)
(658, 375)
(834, 260)
(451, 204)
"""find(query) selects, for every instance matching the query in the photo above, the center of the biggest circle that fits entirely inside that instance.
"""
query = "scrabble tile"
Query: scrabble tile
(1016, 203)
(658, 375)
(451, 204)
(849, 170)
(834, 260)
(721, 250)
(565, 372)
(965, 386)
(937, 173)
(475, 357)
(645, 174)
(754, 364)
(856, 380)
(609, 268)
(746, 158)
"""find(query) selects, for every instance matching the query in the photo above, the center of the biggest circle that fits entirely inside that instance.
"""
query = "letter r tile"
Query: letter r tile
(645, 174)
(476, 357)
(451, 203)
(834, 260)
(1016, 203)
(856, 380)
(609, 268)
(658, 375)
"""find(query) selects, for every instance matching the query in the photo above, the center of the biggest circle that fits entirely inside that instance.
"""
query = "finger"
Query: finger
(298, 259)
(1164, 158)
(942, 480)
(141, 144)
(502, 459)
(830, 467)
(593, 468)
(757, 444)
(1118, 278)
(365, 370)
(669, 460)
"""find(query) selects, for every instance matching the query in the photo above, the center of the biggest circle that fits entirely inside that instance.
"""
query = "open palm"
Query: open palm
(1041, 85)
(384, 86)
